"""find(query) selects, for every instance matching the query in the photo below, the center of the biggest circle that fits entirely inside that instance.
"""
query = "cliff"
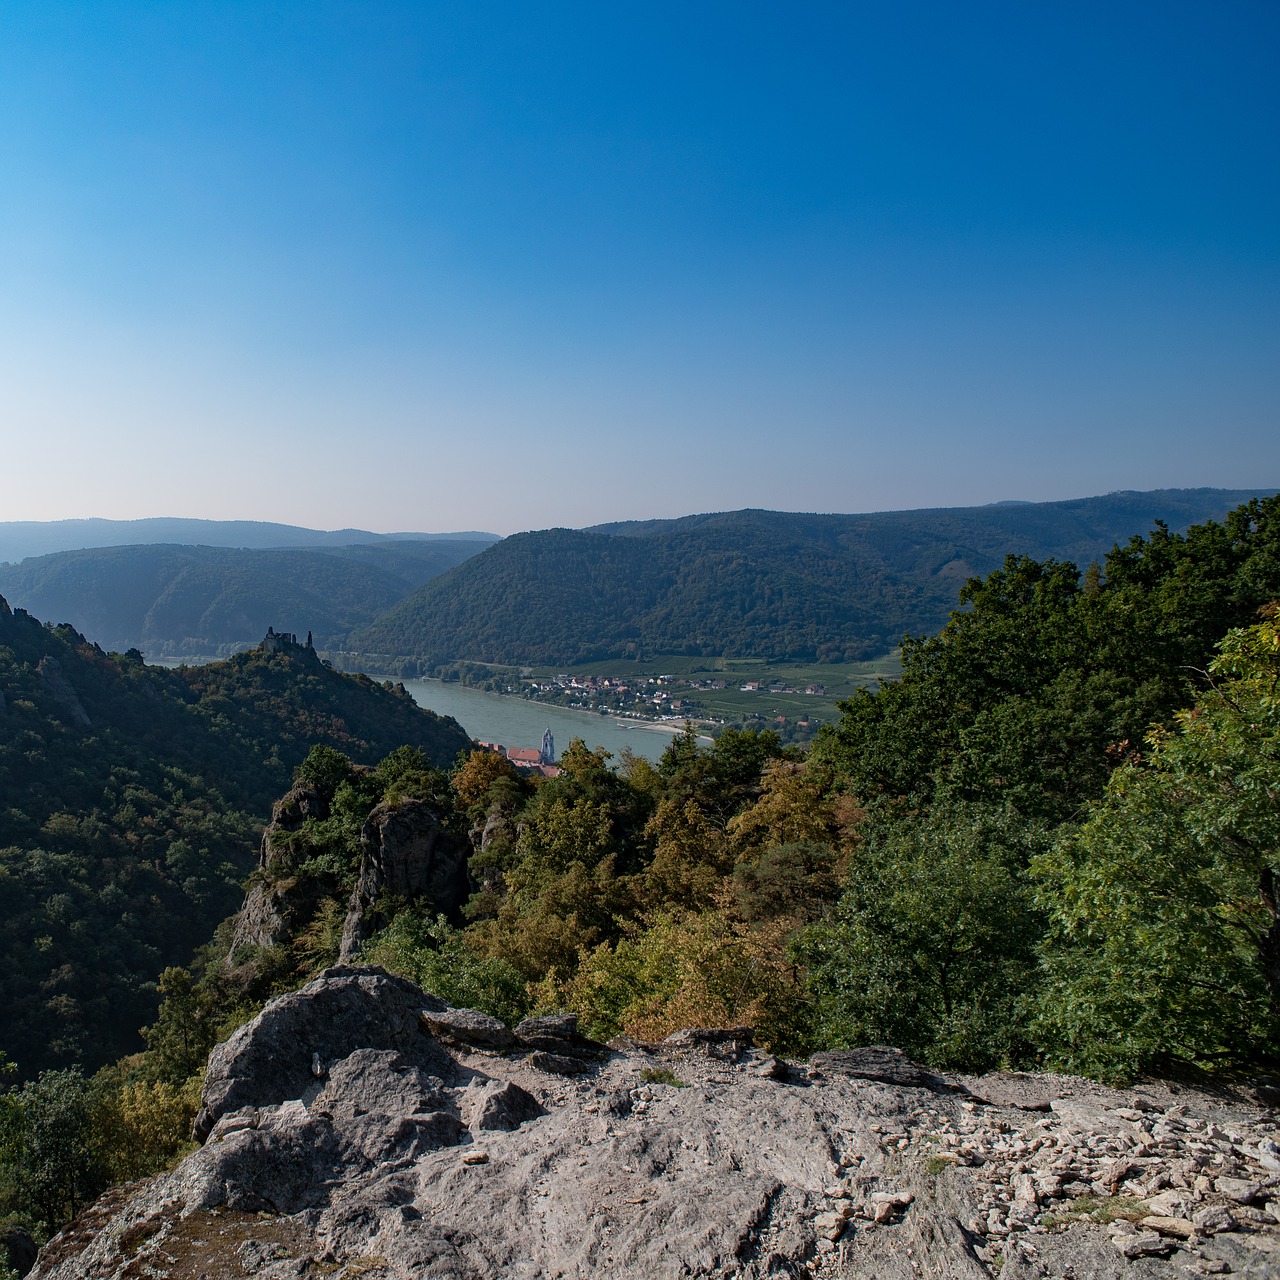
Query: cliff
(406, 854)
(362, 1127)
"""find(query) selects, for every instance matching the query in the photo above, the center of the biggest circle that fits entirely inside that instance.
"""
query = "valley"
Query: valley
(1039, 838)
(802, 590)
(792, 699)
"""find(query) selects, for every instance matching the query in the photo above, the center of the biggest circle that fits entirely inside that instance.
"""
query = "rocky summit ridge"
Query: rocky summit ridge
(360, 1127)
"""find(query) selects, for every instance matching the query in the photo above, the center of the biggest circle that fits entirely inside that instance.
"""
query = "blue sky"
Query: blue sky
(465, 265)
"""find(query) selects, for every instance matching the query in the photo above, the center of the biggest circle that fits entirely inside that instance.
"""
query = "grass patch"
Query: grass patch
(661, 1075)
(1101, 1209)
(934, 1165)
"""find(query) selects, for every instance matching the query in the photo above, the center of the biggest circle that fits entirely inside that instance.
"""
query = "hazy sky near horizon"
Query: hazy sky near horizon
(453, 265)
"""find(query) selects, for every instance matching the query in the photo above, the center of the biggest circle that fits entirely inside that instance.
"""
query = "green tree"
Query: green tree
(49, 1147)
(932, 946)
(688, 969)
(325, 769)
(185, 1028)
(1037, 688)
(437, 957)
(476, 774)
(1164, 939)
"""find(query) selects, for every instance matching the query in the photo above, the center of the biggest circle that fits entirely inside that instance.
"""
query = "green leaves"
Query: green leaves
(1032, 694)
(47, 1147)
(1163, 940)
(435, 955)
(933, 944)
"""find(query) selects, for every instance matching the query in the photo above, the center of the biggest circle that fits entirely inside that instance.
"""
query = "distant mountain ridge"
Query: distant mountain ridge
(188, 600)
(752, 583)
(22, 538)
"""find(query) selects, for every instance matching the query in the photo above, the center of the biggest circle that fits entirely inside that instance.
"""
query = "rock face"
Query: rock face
(276, 902)
(342, 1138)
(50, 671)
(406, 853)
(290, 1046)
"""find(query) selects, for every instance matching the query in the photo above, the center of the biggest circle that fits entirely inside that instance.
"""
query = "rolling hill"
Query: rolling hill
(766, 584)
(21, 539)
(186, 600)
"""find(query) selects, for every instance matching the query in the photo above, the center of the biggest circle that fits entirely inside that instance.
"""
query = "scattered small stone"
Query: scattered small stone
(830, 1226)
(1214, 1219)
(895, 1199)
(770, 1068)
(1269, 1155)
(1256, 1217)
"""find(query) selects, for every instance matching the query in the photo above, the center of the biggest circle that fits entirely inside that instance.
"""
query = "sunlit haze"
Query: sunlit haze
(456, 266)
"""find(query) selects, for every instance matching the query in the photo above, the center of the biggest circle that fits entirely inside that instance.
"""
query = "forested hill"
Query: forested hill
(752, 583)
(131, 801)
(177, 600)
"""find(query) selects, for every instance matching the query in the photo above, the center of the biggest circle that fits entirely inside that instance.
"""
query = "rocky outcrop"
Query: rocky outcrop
(289, 1047)
(876, 1062)
(55, 680)
(276, 901)
(405, 853)
(341, 1138)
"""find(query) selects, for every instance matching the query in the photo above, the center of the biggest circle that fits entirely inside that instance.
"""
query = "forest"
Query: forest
(168, 599)
(1052, 844)
(131, 801)
(776, 585)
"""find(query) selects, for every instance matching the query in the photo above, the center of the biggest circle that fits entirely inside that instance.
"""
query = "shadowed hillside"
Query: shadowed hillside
(178, 600)
(131, 802)
(764, 584)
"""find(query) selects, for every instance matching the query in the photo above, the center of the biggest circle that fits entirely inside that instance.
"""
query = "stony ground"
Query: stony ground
(360, 1128)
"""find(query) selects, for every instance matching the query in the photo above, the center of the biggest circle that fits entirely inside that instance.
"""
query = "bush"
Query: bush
(436, 956)
(688, 970)
(932, 947)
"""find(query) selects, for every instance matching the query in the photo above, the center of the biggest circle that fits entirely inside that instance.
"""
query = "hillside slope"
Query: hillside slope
(751, 583)
(181, 600)
(131, 801)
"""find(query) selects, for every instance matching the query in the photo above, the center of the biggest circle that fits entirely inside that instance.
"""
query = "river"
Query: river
(515, 722)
